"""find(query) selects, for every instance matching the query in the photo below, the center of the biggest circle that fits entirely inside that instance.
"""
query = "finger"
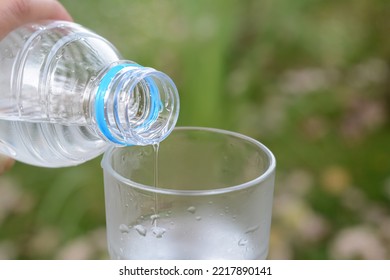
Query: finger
(14, 13)
(5, 163)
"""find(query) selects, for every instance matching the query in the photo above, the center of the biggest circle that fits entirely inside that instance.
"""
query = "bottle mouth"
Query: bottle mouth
(136, 105)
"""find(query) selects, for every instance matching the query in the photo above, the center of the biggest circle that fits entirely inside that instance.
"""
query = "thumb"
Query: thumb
(14, 13)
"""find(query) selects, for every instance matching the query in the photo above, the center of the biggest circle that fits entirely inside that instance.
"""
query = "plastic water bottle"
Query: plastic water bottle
(66, 94)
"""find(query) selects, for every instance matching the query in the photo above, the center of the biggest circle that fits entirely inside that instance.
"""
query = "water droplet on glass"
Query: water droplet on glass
(158, 231)
(140, 229)
(191, 209)
(154, 217)
(243, 242)
(124, 228)
(252, 229)
(198, 218)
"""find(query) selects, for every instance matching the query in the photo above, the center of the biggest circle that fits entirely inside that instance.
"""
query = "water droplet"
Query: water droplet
(158, 231)
(124, 228)
(198, 218)
(191, 209)
(154, 217)
(243, 242)
(140, 229)
(252, 229)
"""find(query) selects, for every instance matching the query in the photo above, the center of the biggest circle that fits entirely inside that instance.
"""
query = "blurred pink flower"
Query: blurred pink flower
(360, 242)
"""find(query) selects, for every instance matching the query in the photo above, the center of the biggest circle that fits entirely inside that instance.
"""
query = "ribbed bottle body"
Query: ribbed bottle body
(49, 144)
(66, 94)
(45, 70)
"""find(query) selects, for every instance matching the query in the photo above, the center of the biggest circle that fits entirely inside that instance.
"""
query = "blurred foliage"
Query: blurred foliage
(308, 78)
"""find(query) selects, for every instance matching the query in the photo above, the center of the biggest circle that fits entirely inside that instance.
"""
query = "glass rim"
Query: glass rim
(107, 166)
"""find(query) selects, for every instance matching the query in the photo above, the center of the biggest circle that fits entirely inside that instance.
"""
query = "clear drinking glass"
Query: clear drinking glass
(206, 194)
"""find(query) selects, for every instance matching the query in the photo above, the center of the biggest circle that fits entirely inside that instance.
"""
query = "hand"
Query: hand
(5, 163)
(14, 13)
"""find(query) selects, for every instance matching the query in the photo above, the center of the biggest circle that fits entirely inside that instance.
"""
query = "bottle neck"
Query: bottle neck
(135, 105)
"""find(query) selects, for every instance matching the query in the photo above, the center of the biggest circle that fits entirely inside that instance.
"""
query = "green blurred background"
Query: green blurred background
(308, 78)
